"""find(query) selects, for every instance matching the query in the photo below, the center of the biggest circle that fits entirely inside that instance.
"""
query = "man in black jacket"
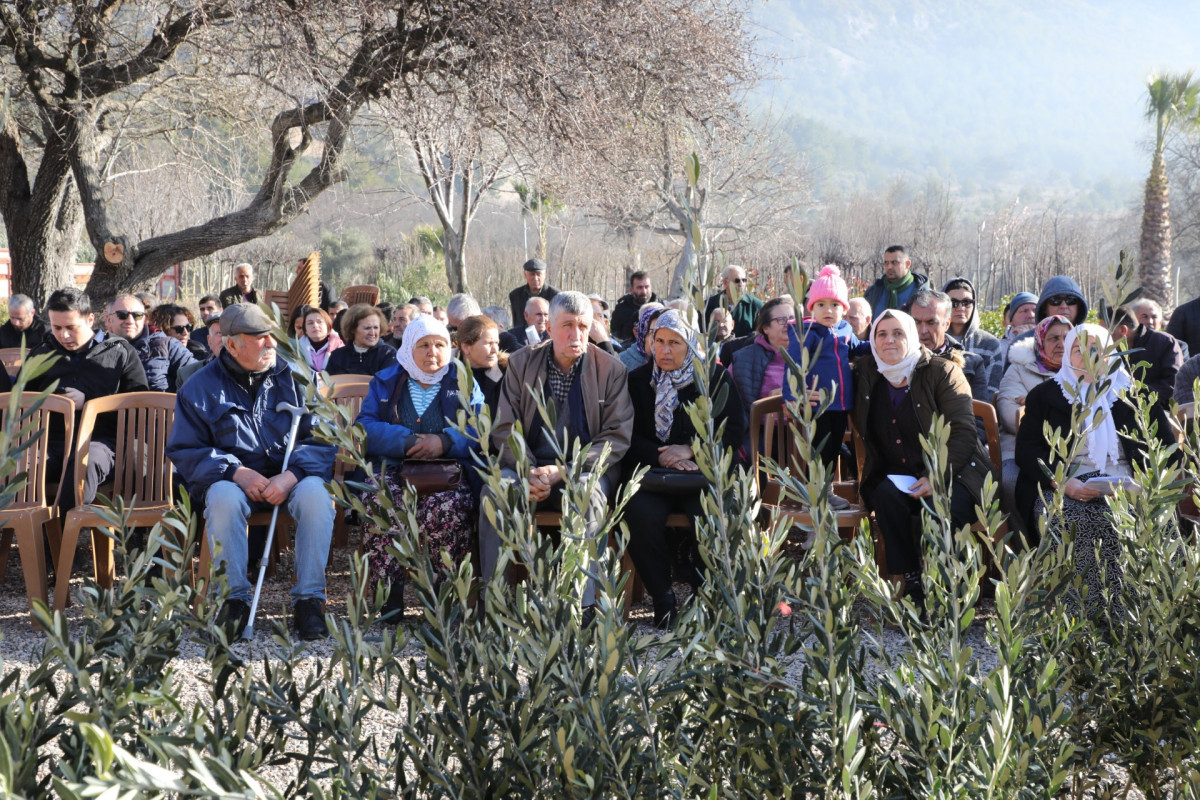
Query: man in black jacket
(85, 369)
(537, 316)
(1156, 357)
(24, 327)
(535, 286)
(625, 315)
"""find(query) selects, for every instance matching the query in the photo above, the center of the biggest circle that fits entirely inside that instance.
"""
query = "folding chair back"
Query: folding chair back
(364, 293)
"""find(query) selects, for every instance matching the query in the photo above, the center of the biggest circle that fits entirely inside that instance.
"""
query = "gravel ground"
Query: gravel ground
(21, 644)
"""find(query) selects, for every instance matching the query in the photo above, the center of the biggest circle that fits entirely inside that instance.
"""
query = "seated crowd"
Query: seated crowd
(887, 362)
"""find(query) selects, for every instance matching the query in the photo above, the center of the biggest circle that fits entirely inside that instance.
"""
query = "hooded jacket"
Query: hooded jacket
(830, 351)
(978, 341)
(161, 357)
(1061, 284)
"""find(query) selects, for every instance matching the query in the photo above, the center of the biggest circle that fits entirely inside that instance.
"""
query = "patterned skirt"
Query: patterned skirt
(446, 519)
(1093, 525)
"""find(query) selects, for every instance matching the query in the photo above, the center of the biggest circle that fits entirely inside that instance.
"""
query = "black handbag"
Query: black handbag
(665, 480)
(431, 477)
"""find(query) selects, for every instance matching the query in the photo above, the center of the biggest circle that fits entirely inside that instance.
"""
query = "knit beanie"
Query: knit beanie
(829, 285)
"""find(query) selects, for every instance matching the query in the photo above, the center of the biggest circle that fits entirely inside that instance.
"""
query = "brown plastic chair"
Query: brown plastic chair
(278, 298)
(141, 477)
(346, 380)
(11, 358)
(348, 395)
(774, 436)
(365, 293)
(33, 506)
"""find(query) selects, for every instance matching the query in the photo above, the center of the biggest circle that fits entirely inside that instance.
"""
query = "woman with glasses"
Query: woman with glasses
(177, 322)
(1062, 297)
(760, 368)
(964, 326)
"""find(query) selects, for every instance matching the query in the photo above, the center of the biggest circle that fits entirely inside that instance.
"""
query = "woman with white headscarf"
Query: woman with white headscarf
(1110, 446)
(408, 415)
(897, 392)
(662, 440)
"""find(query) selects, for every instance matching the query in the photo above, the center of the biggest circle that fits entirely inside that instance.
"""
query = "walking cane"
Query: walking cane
(296, 412)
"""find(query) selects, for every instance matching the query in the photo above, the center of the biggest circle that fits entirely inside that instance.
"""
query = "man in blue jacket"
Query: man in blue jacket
(228, 444)
(161, 355)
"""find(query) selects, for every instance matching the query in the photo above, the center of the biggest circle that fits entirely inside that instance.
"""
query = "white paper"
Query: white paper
(904, 483)
(1108, 484)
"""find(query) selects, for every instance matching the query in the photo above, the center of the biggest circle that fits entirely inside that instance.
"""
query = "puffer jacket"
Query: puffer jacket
(386, 438)
(938, 387)
(983, 344)
(161, 357)
(1019, 380)
(219, 427)
(830, 351)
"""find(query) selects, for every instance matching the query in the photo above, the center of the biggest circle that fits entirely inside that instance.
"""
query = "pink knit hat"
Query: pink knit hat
(829, 285)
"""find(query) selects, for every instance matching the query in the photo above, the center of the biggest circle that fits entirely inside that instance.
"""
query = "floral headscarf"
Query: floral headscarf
(1045, 365)
(643, 326)
(668, 383)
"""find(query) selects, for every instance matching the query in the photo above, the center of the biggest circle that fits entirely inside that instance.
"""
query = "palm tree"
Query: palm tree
(1172, 100)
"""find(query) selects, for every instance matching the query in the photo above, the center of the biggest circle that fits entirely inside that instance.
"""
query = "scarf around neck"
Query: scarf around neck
(667, 383)
(900, 373)
(894, 288)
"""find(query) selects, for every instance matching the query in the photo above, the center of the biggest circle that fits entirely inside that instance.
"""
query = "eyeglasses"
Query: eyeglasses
(181, 329)
(1063, 299)
(738, 280)
(784, 320)
(124, 315)
(967, 303)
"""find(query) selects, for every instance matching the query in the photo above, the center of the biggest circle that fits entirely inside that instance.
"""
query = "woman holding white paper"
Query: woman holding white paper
(897, 393)
(1110, 445)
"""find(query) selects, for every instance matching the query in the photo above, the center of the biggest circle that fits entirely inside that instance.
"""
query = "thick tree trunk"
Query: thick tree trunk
(1155, 262)
(43, 221)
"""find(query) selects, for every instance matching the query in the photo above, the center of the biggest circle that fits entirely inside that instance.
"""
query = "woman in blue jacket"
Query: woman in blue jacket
(408, 415)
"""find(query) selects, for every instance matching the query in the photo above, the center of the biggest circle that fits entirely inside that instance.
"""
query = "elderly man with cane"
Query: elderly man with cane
(243, 443)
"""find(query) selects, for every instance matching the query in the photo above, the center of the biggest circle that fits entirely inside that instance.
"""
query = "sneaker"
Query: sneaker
(666, 608)
(309, 616)
(233, 617)
(837, 502)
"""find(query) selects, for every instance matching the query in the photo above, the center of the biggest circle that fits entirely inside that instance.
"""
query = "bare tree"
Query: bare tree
(536, 70)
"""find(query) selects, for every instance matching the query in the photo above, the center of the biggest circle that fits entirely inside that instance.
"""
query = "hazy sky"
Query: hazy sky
(1009, 90)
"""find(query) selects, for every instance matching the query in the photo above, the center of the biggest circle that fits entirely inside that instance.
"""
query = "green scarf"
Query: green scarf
(894, 289)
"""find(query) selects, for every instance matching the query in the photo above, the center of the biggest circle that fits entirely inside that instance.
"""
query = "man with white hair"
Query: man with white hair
(1149, 313)
(459, 308)
(243, 290)
(537, 317)
(859, 317)
(742, 305)
(587, 390)
(24, 327)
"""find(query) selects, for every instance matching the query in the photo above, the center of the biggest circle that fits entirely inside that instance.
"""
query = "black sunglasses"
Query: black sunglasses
(124, 315)
(1061, 299)
(182, 329)
(967, 303)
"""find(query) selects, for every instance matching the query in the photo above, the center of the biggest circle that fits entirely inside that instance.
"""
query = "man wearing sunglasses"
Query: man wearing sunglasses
(742, 305)
(161, 356)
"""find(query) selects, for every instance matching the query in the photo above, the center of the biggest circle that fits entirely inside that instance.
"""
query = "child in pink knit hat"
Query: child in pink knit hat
(831, 344)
